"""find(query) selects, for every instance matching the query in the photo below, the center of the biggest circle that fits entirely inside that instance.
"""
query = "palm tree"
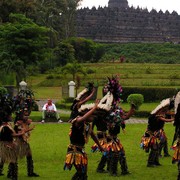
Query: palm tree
(73, 69)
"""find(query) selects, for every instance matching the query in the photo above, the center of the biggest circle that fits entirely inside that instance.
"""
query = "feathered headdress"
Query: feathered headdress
(5, 107)
(115, 88)
(111, 98)
(85, 92)
(176, 101)
(164, 103)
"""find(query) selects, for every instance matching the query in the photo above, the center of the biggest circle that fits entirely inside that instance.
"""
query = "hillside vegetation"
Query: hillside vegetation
(167, 53)
(131, 74)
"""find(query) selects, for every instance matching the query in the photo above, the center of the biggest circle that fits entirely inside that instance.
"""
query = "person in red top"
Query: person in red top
(49, 110)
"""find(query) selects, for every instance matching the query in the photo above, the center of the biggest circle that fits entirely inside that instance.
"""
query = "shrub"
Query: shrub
(136, 99)
(50, 77)
(3, 91)
(65, 103)
(35, 107)
(150, 94)
(142, 114)
(90, 71)
(69, 100)
(148, 70)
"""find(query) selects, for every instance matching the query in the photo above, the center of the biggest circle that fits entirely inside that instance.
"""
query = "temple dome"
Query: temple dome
(118, 4)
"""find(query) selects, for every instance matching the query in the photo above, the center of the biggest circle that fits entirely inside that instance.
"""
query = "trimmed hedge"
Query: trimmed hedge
(151, 94)
(142, 114)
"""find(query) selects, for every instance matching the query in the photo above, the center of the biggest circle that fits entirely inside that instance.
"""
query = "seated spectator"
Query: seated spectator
(49, 110)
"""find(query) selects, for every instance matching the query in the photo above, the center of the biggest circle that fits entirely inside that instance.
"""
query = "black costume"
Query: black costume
(153, 133)
(116, 150)
(176, 141)
(24, 149)
(76, 151)
(101, 127)
(163, 144)
(22, 107)
(8, 148)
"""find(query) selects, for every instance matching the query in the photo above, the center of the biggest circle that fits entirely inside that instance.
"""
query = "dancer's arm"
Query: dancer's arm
(165, 119)
(93, 136)
(127, 115)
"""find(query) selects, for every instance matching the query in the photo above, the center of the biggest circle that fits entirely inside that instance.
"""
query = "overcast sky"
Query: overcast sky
(164, 5)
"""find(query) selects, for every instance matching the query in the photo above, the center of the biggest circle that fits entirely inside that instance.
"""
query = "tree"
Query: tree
(58, 15)
(84, 48)
(22, 43)
(73, 69)
(64, 53)
(25, 7)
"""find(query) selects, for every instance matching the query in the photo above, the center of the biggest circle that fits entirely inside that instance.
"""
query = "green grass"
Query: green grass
(47, 92)
(49, 145)
(36, 116)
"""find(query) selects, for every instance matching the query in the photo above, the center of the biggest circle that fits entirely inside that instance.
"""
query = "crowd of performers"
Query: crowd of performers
(106, 115)
(154, 140)
(109, 118)
(15, 133)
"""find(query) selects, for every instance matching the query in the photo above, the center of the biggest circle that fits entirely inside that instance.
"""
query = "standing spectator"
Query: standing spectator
(122, 59)
(49, 110)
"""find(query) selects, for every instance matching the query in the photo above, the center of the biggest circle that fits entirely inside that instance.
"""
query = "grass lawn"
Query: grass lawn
(49, 144)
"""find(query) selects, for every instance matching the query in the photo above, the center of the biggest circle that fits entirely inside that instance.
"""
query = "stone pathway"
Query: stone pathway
(136, 121)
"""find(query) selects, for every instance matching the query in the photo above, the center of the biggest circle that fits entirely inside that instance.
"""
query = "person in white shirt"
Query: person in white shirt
(49, 110)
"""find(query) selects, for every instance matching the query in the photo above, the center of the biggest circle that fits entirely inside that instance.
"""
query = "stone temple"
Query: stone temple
(119, 23)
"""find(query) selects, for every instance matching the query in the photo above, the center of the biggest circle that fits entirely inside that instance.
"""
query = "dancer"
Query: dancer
(115, 148)
(176, 140)
(163, 144)
(101, 128)
(8, 148)
(155, 132)
(101, 134)
(113, 122)
(76, 155)
(24, 149)
(22, 122)
(111, 92)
